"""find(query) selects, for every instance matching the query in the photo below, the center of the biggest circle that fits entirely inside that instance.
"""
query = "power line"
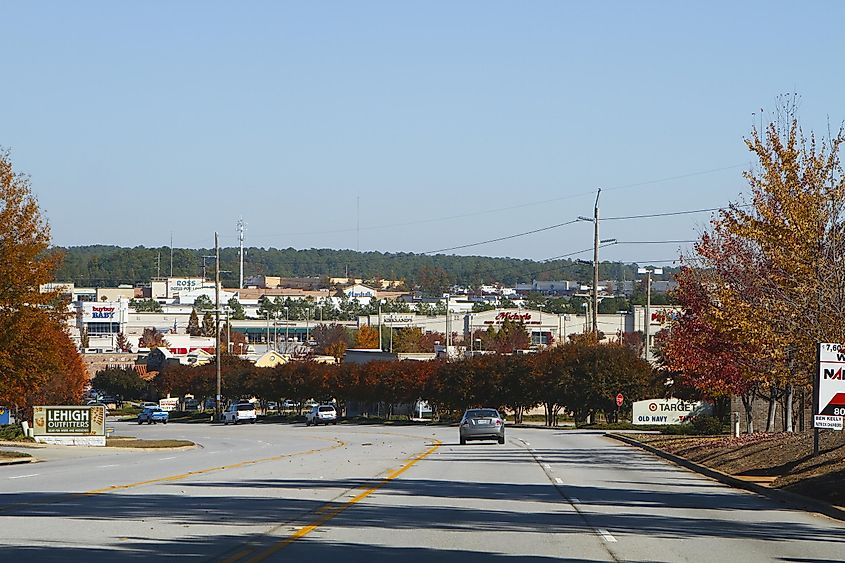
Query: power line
(508, 237)
(508, 208)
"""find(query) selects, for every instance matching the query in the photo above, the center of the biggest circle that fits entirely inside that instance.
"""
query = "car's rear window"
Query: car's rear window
(246, 407)
(481, 413)
(326, 409)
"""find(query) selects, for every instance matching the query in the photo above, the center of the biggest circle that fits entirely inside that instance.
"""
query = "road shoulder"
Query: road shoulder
(792, 500)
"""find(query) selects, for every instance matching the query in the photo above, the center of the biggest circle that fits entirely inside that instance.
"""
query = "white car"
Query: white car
(239, 412)
(321, 414)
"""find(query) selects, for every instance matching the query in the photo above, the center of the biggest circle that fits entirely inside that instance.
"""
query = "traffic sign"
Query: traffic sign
(619, 400)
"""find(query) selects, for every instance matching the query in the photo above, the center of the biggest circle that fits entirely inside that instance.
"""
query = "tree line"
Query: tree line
(102, 265)
(580, 378)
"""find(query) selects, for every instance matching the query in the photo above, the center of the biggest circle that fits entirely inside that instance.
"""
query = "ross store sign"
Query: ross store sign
(176, 286)
(70, 425)
(668, 411)
(830, 383)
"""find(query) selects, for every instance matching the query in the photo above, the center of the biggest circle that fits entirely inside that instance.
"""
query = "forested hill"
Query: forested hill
(100, 266)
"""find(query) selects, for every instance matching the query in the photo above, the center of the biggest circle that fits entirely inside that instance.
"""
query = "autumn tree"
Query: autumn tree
(777, 260)
(47, 367)
(366, 337)
(232, 341)
(151, 338)
(123, 344)
(332, 340)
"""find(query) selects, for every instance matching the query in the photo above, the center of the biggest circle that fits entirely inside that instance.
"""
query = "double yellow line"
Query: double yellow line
(326, 512)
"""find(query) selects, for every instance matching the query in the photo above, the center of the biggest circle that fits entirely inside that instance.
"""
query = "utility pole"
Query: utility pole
(171, 254)
(596, 265)
(241, 238)
(380, 347)
(217, 321)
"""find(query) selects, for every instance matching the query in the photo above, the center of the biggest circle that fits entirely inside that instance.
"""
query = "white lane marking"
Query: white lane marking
(547, 466)
(558, 480)
(605, 535)
(104, 466)
(575, 500)
(25, 476)
(166, 458)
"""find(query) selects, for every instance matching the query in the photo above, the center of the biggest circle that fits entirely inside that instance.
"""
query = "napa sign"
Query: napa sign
(669, 411)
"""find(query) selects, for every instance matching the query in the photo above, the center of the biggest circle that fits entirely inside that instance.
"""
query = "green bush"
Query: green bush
(678, 430)
(706, 425)
(13, 432)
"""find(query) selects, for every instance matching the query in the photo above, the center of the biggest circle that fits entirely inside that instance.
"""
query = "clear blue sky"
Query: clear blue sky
(453, 122)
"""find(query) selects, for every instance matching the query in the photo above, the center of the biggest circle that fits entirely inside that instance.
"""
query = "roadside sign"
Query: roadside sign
(830, 380)
(828, 422)
(619, 400)
(668, 411)
(69, 425)
(4, 416)
(169, 404)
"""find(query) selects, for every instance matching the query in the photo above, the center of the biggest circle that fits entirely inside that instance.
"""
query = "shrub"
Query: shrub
(706, 425)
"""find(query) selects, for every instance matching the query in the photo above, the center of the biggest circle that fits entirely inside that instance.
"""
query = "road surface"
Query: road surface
(270, 492)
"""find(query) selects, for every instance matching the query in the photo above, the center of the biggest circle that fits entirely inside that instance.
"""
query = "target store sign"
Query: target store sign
(668, 411)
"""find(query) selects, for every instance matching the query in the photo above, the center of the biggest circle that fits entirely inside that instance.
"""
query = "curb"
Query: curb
(14, 444)
(18, 461)
(793, 500)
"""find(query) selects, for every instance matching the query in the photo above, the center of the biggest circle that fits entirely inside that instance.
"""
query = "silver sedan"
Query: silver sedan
(482, 424)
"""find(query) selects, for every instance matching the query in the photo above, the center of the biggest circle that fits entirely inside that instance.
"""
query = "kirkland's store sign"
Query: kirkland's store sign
(70, 425)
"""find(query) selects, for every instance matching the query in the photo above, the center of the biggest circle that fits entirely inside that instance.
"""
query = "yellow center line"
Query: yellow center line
(332, 511)
(337, 444)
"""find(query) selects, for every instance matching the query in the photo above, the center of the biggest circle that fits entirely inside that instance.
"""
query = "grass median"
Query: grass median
(130, 442)
(12, 456)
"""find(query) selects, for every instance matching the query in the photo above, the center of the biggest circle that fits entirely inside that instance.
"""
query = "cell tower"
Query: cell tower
(241, 228)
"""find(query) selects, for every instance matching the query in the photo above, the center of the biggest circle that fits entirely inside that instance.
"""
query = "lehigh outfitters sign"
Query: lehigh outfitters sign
(70, 425)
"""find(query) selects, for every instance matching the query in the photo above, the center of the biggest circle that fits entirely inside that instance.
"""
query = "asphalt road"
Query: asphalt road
(270, 492)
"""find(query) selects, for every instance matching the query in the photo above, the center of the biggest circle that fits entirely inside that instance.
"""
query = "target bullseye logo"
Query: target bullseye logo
(652, 407)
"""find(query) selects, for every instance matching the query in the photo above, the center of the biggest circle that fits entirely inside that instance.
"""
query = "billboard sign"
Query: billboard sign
(669, 411)
(830, 382)
(103, 311)
(70, 425)
(175, 286)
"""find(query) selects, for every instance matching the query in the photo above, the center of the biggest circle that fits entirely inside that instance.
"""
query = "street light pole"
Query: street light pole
(217, 322)
(286, 330)
(647, 319)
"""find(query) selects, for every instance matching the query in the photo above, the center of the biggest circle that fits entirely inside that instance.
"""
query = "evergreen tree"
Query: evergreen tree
(207, 324)
(194, 324)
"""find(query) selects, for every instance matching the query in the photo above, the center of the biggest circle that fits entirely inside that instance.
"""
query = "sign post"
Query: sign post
(619, 400)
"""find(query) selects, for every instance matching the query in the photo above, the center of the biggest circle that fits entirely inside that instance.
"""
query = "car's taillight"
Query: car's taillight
(498, 422)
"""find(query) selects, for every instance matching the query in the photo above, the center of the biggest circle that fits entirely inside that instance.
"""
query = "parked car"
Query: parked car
(152, 415)
(149, 404)
(321, 414)
(239, 412)
(482, 424)
(272, 406)
(288, 404)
